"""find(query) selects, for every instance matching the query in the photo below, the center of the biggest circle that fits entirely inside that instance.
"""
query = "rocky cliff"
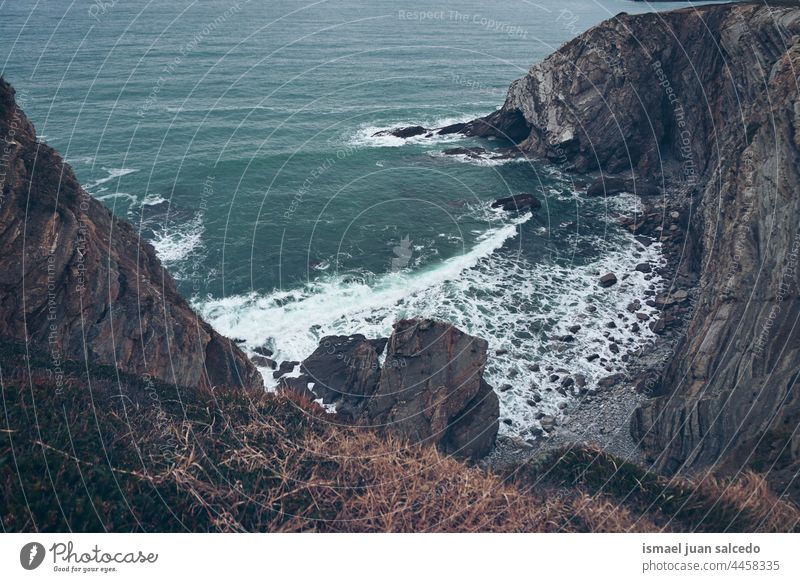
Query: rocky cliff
(80, 284)
(704, 101)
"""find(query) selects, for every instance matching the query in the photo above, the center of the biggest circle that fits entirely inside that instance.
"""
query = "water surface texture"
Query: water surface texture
(238, 136)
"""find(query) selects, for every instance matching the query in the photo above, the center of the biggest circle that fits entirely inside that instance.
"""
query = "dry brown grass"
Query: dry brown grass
(162, 459)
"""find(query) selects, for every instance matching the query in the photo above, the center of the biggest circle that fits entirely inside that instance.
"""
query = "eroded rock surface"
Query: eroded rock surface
(430, 387)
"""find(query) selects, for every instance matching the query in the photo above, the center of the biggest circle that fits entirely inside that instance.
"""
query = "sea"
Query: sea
(239, 137)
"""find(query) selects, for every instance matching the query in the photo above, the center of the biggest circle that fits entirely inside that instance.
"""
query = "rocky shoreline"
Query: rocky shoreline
(717, 387)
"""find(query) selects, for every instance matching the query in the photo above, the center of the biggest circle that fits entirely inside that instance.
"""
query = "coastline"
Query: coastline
(603, 419)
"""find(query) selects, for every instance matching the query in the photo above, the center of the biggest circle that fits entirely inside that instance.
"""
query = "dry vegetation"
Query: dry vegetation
(121, 454)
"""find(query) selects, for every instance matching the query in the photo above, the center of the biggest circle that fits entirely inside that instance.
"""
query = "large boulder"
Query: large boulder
(432, 390)
(343, 370)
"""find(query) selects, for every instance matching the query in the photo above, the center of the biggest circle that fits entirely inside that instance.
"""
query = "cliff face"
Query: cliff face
(80, 284)
(706, 101)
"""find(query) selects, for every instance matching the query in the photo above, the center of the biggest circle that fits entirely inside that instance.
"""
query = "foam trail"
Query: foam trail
(492, 292)
(295, 320)
(113, 173)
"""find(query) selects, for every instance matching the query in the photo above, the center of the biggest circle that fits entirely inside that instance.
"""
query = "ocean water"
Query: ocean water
(239, 138)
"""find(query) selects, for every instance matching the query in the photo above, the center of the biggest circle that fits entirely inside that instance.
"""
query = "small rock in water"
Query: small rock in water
(574, 329)
(264, 362)
(644, 267)
(608, 280)
(263, 351)
(403, 132)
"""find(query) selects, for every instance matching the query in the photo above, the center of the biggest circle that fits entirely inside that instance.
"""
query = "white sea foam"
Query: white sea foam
(113, 173)
(365, 135)
(489, 159)
(174, 243)
(114, 195)
(520, 308)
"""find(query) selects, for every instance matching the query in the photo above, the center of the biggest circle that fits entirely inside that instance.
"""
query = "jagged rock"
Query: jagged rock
(634, 306)
(472, 152)
(109, 300)
(344, 368)
(264, 351)
(264, 362)
(518, 202)
(453, 128)
(284, 368)
(403, 132)
(732, 378)
(431, 389)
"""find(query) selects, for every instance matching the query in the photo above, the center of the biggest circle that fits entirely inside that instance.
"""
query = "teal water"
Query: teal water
(238, 137)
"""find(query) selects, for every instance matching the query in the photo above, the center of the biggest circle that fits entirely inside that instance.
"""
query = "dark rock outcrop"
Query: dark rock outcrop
(609, 186)
(704, 101)
(518, 202)
(430, 388)
(403, 132)
(343, 370)
(80, 284)
(608, 280)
